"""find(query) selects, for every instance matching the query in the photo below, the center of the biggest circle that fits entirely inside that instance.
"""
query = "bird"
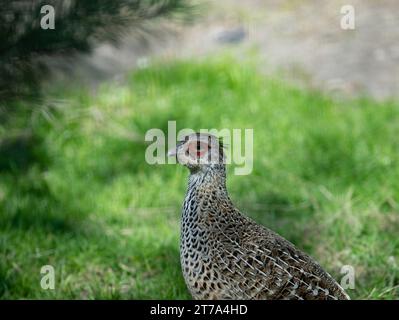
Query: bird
(226, 255)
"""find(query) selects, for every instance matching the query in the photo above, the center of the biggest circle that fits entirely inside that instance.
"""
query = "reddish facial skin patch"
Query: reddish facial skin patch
(197, 149)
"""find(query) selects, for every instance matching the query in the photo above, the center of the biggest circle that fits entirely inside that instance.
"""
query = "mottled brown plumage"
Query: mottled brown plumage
(226, 255)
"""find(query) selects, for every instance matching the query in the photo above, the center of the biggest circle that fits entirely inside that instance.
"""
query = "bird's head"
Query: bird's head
(199, 152)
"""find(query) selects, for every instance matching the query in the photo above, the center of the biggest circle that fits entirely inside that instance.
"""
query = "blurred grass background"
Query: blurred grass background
(76, 192)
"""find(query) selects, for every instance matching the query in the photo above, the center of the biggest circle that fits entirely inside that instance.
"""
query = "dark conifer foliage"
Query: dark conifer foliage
(78, 26)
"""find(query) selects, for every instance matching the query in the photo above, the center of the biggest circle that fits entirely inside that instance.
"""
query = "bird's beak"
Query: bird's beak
(172, 152)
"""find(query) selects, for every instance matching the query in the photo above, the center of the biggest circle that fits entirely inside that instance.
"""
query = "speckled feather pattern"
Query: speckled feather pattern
(226, 255)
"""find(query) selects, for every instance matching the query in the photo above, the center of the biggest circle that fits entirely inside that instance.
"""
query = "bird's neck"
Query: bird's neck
(205, 187)
(208, 180)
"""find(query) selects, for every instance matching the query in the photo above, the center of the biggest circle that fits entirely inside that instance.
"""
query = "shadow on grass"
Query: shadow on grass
(29, 202)
(162, 278)
(48, 215)
(19, 152)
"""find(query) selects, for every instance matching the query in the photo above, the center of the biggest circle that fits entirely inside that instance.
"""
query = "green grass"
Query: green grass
(76, 192)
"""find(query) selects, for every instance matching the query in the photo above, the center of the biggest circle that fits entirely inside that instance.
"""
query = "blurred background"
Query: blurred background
(77, 100)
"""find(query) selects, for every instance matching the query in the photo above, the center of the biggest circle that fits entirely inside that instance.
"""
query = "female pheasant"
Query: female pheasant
(226, 255)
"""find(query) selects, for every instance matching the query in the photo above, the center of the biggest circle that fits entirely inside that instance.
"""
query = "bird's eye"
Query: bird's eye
(198, 149)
